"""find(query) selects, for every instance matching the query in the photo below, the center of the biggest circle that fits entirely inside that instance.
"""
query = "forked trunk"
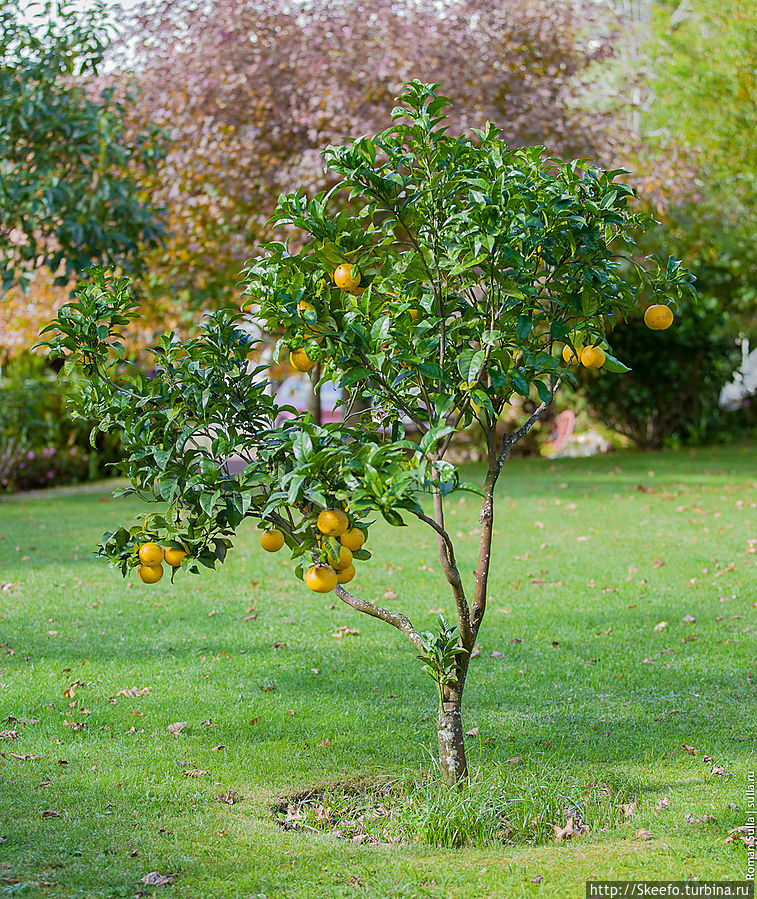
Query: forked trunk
(451, 740)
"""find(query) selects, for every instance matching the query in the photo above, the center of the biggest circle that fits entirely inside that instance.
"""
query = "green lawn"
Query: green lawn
(589, 679)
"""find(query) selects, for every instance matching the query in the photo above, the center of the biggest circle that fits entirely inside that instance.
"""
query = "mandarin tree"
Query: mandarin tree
(465, 271)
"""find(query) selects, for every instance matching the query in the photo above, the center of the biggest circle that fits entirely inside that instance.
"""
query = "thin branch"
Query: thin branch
(510, 441)
(394, 618)
(452, 573)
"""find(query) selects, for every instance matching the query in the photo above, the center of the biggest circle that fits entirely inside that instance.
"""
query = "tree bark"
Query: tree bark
(452, 760)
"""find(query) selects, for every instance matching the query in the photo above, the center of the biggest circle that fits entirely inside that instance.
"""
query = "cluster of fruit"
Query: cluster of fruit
(151, 558)
(657, 317)
(345, 279)
(339, 566)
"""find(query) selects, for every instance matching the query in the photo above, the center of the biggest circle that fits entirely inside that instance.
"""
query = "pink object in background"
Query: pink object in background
(562, 430)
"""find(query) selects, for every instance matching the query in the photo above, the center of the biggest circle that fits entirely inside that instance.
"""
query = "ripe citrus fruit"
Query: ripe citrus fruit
(353, 539)
(272, 540)
(570, 356)
(342, 561)
(173, 556)
(658, 317)
(150, 554)
(346, 575)
(150, 574)
(592, 357)
(304, 306)
(320, 578)
(300, 360)
(332, 522)
(343, 277)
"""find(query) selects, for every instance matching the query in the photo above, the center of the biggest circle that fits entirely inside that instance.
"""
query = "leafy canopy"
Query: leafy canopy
(477, 263)
(68, 190)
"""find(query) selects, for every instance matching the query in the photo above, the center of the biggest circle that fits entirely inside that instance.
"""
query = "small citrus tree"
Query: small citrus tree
(462, 273)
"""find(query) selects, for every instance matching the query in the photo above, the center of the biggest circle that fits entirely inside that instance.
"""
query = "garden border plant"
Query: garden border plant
(459, 273)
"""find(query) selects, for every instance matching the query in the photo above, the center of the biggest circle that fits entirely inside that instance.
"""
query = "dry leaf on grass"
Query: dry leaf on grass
(705, 819)
(688, 619)
(25, 758)
(476, 651)
(129, 693)
(268, 688)
(642, 834)
(51, 813)
(217, 748)
(571, 829)
(229, 797)
(324, 743)
(472, 733)
(628, 810)
(345, 631)
(662, 804)
(70, 690)
(177, 727)
(8, 734)
(193, 772)
(154, 879)
(537, 879)
(661, 626)
(719, 771)
(690, 749)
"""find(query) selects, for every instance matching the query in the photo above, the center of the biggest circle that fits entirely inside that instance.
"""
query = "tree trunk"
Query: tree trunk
(314, 400)
(451, 741)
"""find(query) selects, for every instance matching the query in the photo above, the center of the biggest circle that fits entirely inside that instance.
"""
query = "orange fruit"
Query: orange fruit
(570, 356)
(344, 279)
(353, 539)
(304, 306)
(300, 360)
(150, 574)
(345, 575)
(342, 561)
(320, 578)
(332, 522)
(150, 554)
(592, 357)
(173, 556)
(658, 317)
(272, 540)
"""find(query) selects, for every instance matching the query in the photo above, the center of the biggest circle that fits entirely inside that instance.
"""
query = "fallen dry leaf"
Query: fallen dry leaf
(154, 879)
(50, 813)
(345, 631)
(661, 626)
(177, 727)
(472, 733)
(193, 772)
(537, 879)
(25, 758)
(571, 829)
(642, 834)
(662, 804)
(628, 809)
(389, 593)
(217, 748)
(268, 688)
(689, 749)
(8, 734)
(476, 651)
(70, 690)
(658, 563)
(229, 797)
(705, 819)
(129, 693)
(324, 743)
(515, 761)
(719, 771)
(497, 654)
(688, 619)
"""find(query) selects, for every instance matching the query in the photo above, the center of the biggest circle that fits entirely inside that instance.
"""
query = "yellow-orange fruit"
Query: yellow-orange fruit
(320, 578)
(332, 522)
(353, 539)
(150, 554)
(173, 556)
(346, 575)
(658, 317)
(150, 574)
(344, 278)
(593, 357)
(272, 540)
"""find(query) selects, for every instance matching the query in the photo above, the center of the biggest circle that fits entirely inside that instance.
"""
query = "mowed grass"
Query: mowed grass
(591, 556)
